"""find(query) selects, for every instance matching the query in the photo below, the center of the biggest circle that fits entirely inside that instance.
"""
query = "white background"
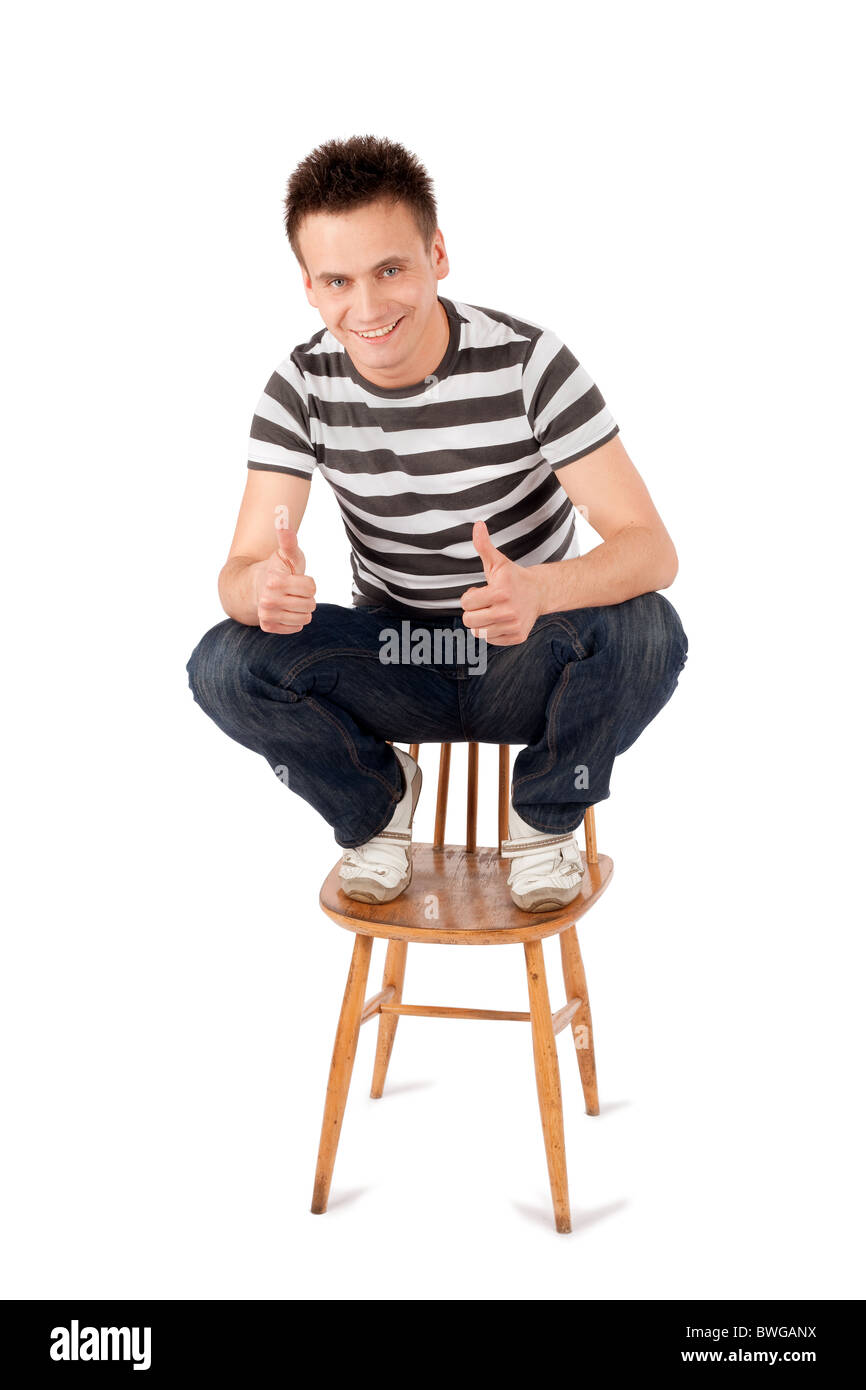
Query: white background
(675, 190)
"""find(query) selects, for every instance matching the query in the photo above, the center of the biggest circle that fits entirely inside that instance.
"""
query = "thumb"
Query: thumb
(491, 558)
(287, 547)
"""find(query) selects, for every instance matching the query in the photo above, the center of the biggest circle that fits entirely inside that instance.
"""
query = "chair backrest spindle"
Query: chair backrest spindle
(472, 799)
(504, 791)
(589, 832)
(442, 795)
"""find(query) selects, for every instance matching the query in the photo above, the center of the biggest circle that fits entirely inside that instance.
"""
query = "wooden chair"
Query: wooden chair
(474, 908)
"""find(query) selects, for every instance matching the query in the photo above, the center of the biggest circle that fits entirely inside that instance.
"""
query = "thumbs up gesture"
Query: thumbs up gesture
(504, 608)
(285, 591)
(288, 549)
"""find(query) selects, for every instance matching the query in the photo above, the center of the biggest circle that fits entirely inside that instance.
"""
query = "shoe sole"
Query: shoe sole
(540, 900)
(368, 891)
(384, 895)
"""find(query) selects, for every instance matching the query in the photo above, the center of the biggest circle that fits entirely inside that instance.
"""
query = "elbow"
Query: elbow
(223, 591)
(668, 564)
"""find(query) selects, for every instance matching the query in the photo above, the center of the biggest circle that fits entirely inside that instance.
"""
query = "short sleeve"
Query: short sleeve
(565, 409)
(280, 439)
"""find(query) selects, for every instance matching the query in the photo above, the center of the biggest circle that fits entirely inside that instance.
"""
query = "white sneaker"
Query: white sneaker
(381, 868)
(547, 871)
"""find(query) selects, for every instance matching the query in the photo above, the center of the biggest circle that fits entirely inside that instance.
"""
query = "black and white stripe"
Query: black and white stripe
(413, 468)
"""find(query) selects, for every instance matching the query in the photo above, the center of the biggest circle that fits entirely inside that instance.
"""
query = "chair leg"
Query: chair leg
(342, 1061)
(581, 1024)
(395, 969)
(547, 1080)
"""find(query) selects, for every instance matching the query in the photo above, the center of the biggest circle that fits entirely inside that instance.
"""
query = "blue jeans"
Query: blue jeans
(319, 704)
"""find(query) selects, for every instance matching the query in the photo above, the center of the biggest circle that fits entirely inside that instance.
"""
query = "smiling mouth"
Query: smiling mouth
(373, 334)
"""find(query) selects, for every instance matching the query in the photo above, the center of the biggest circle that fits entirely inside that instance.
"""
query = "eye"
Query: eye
(333, 282)
(392, 267)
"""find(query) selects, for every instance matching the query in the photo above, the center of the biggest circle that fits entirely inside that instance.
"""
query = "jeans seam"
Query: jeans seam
(551, 731)
(313, 657)
(323, 655)
(561, 621)
(351, 747)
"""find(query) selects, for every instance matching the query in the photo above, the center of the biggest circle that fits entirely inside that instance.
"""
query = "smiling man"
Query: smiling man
(459, 442)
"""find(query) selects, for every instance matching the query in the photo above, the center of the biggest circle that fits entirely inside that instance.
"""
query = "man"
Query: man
(459, 441)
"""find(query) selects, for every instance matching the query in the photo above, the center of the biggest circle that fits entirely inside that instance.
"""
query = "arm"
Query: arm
(637, 555)
(268, 498)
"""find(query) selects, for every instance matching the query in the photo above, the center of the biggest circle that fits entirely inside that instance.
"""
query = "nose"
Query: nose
(370, 312)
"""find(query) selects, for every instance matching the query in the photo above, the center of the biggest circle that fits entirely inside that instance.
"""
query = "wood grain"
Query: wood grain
(392, 980)
(442, 793)
(471, 797)
(342, 1061)
(458, 896)
(470, 895)
(581, 1024)
(504, 797)
(547, 1082)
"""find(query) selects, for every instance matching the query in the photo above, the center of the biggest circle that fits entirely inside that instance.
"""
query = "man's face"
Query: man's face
(367, 269)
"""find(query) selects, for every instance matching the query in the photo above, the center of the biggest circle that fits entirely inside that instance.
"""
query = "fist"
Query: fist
(284, 593)
(504, 609)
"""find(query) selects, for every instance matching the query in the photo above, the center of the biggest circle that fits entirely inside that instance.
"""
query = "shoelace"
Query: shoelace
(560, 867)
(377, 856)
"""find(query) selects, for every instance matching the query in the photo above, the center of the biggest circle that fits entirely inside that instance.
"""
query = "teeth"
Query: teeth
(379, 332)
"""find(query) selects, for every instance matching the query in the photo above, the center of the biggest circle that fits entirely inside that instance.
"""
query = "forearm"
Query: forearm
(237, 588)
(637, 560)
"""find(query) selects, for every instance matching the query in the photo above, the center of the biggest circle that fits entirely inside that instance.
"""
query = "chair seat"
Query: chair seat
(458, 883)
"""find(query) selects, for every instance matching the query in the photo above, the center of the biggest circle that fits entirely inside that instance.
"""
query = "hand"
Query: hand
(284, 593)
(504, 609)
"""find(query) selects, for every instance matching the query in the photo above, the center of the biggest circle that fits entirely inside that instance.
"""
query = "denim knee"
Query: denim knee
(649, 635)
(663, 633)
(208, 665)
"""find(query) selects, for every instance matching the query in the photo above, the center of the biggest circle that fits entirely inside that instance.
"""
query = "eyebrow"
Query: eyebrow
(341, 274)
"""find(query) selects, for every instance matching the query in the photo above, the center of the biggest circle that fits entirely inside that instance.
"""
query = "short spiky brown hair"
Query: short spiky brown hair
(343, 174)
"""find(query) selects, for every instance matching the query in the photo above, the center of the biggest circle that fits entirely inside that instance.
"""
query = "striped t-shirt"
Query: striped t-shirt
(413, 467)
